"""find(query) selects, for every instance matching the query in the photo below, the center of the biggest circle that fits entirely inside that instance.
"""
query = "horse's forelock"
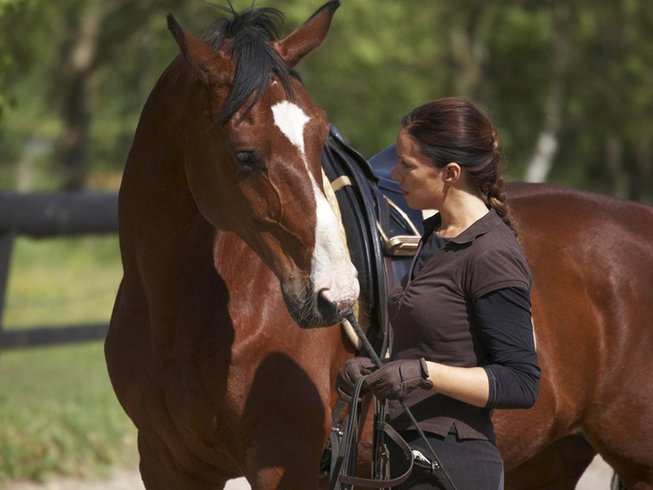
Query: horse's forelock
(249, 33)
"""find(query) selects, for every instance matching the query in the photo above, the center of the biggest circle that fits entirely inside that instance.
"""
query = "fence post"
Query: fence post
(6, 245)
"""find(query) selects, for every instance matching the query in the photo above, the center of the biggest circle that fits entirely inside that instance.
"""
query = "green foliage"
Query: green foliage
(10, 57)
(367, 76)
(379, 60)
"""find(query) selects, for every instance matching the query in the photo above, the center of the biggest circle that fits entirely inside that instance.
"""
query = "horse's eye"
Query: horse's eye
(244, 157)
(249, 159)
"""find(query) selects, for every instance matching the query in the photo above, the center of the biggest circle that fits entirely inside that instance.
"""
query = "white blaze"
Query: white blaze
(291, 119)
(331, 268)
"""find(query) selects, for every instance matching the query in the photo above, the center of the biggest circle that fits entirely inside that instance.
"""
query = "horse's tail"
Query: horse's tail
(616, 483)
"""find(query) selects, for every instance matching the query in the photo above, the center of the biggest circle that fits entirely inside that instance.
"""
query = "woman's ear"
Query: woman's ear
(452, 173)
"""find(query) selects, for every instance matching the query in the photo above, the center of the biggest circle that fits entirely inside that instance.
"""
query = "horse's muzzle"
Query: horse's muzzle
(320, 309)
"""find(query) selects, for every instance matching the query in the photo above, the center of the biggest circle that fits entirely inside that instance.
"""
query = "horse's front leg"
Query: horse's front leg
(283, 459)
(160, 472)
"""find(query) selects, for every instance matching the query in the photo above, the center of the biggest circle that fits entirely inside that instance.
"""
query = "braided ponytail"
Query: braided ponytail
(489, 182)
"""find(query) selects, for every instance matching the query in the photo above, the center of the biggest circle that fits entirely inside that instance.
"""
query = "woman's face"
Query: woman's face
(421, 182)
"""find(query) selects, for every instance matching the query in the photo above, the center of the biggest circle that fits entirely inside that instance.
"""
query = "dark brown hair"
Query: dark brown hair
(455, 130)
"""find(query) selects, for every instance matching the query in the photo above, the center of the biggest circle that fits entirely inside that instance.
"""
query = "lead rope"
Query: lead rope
(438, 470)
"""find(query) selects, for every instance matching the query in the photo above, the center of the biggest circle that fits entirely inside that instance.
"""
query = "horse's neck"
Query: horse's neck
(156, 206)
(161, 229)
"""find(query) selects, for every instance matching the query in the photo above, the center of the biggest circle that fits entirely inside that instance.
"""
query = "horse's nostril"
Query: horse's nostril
(324, 299)
(325, 294)
(327, 307)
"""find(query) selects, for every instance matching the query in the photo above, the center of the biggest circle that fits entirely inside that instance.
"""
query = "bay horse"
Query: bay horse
(228, 245)
(231, 255)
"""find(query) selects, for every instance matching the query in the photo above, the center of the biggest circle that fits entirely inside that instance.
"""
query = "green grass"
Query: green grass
(62, 281)
(58, 413)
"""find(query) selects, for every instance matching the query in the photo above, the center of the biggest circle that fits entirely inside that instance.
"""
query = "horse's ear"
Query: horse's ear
(209, 65)
(309, 36)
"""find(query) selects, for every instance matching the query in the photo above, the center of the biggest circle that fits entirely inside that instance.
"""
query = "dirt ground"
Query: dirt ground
(121, 480)
(597, 477)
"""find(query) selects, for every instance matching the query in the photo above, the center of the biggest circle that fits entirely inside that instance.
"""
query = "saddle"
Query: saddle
(382, 232)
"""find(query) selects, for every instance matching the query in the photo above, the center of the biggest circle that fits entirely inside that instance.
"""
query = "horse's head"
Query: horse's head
(252, 140)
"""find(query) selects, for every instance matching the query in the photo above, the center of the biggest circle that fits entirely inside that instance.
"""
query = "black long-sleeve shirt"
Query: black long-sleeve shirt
(503, 319)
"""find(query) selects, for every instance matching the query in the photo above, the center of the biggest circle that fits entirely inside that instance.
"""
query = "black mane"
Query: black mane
(255, 61)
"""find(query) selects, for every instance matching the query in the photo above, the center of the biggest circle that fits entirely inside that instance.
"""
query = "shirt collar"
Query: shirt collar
(479, 227)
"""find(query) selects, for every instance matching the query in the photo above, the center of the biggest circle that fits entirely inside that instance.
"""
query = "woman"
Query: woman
(461, 317)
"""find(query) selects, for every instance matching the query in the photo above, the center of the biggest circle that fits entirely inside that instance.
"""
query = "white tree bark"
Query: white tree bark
(544, 154)
(546, 144)
(26, 168)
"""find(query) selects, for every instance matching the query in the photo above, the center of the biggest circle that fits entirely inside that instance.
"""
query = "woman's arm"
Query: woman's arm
(469, 385)
(510, 378)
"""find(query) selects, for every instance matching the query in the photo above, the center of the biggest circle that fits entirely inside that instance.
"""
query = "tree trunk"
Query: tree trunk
(78, 61)
(541, 162)
(469, 50)
(641, 188)
(546, 145)
(614, 161)
(26, 171)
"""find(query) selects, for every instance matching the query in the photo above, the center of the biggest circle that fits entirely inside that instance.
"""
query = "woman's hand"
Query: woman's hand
(396, 379)
(351, 373)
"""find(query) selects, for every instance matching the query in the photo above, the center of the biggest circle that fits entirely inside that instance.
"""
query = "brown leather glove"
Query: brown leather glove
(398, 378)
(353, 370)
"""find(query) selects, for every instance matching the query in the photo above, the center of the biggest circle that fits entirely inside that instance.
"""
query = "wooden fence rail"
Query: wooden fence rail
(49, 215)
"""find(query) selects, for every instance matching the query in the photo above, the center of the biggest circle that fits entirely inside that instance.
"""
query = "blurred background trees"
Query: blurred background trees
(568, 83)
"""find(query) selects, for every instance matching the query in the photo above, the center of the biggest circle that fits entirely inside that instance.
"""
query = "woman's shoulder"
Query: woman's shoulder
(497, 245)
(499, 238)
(497, 261)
